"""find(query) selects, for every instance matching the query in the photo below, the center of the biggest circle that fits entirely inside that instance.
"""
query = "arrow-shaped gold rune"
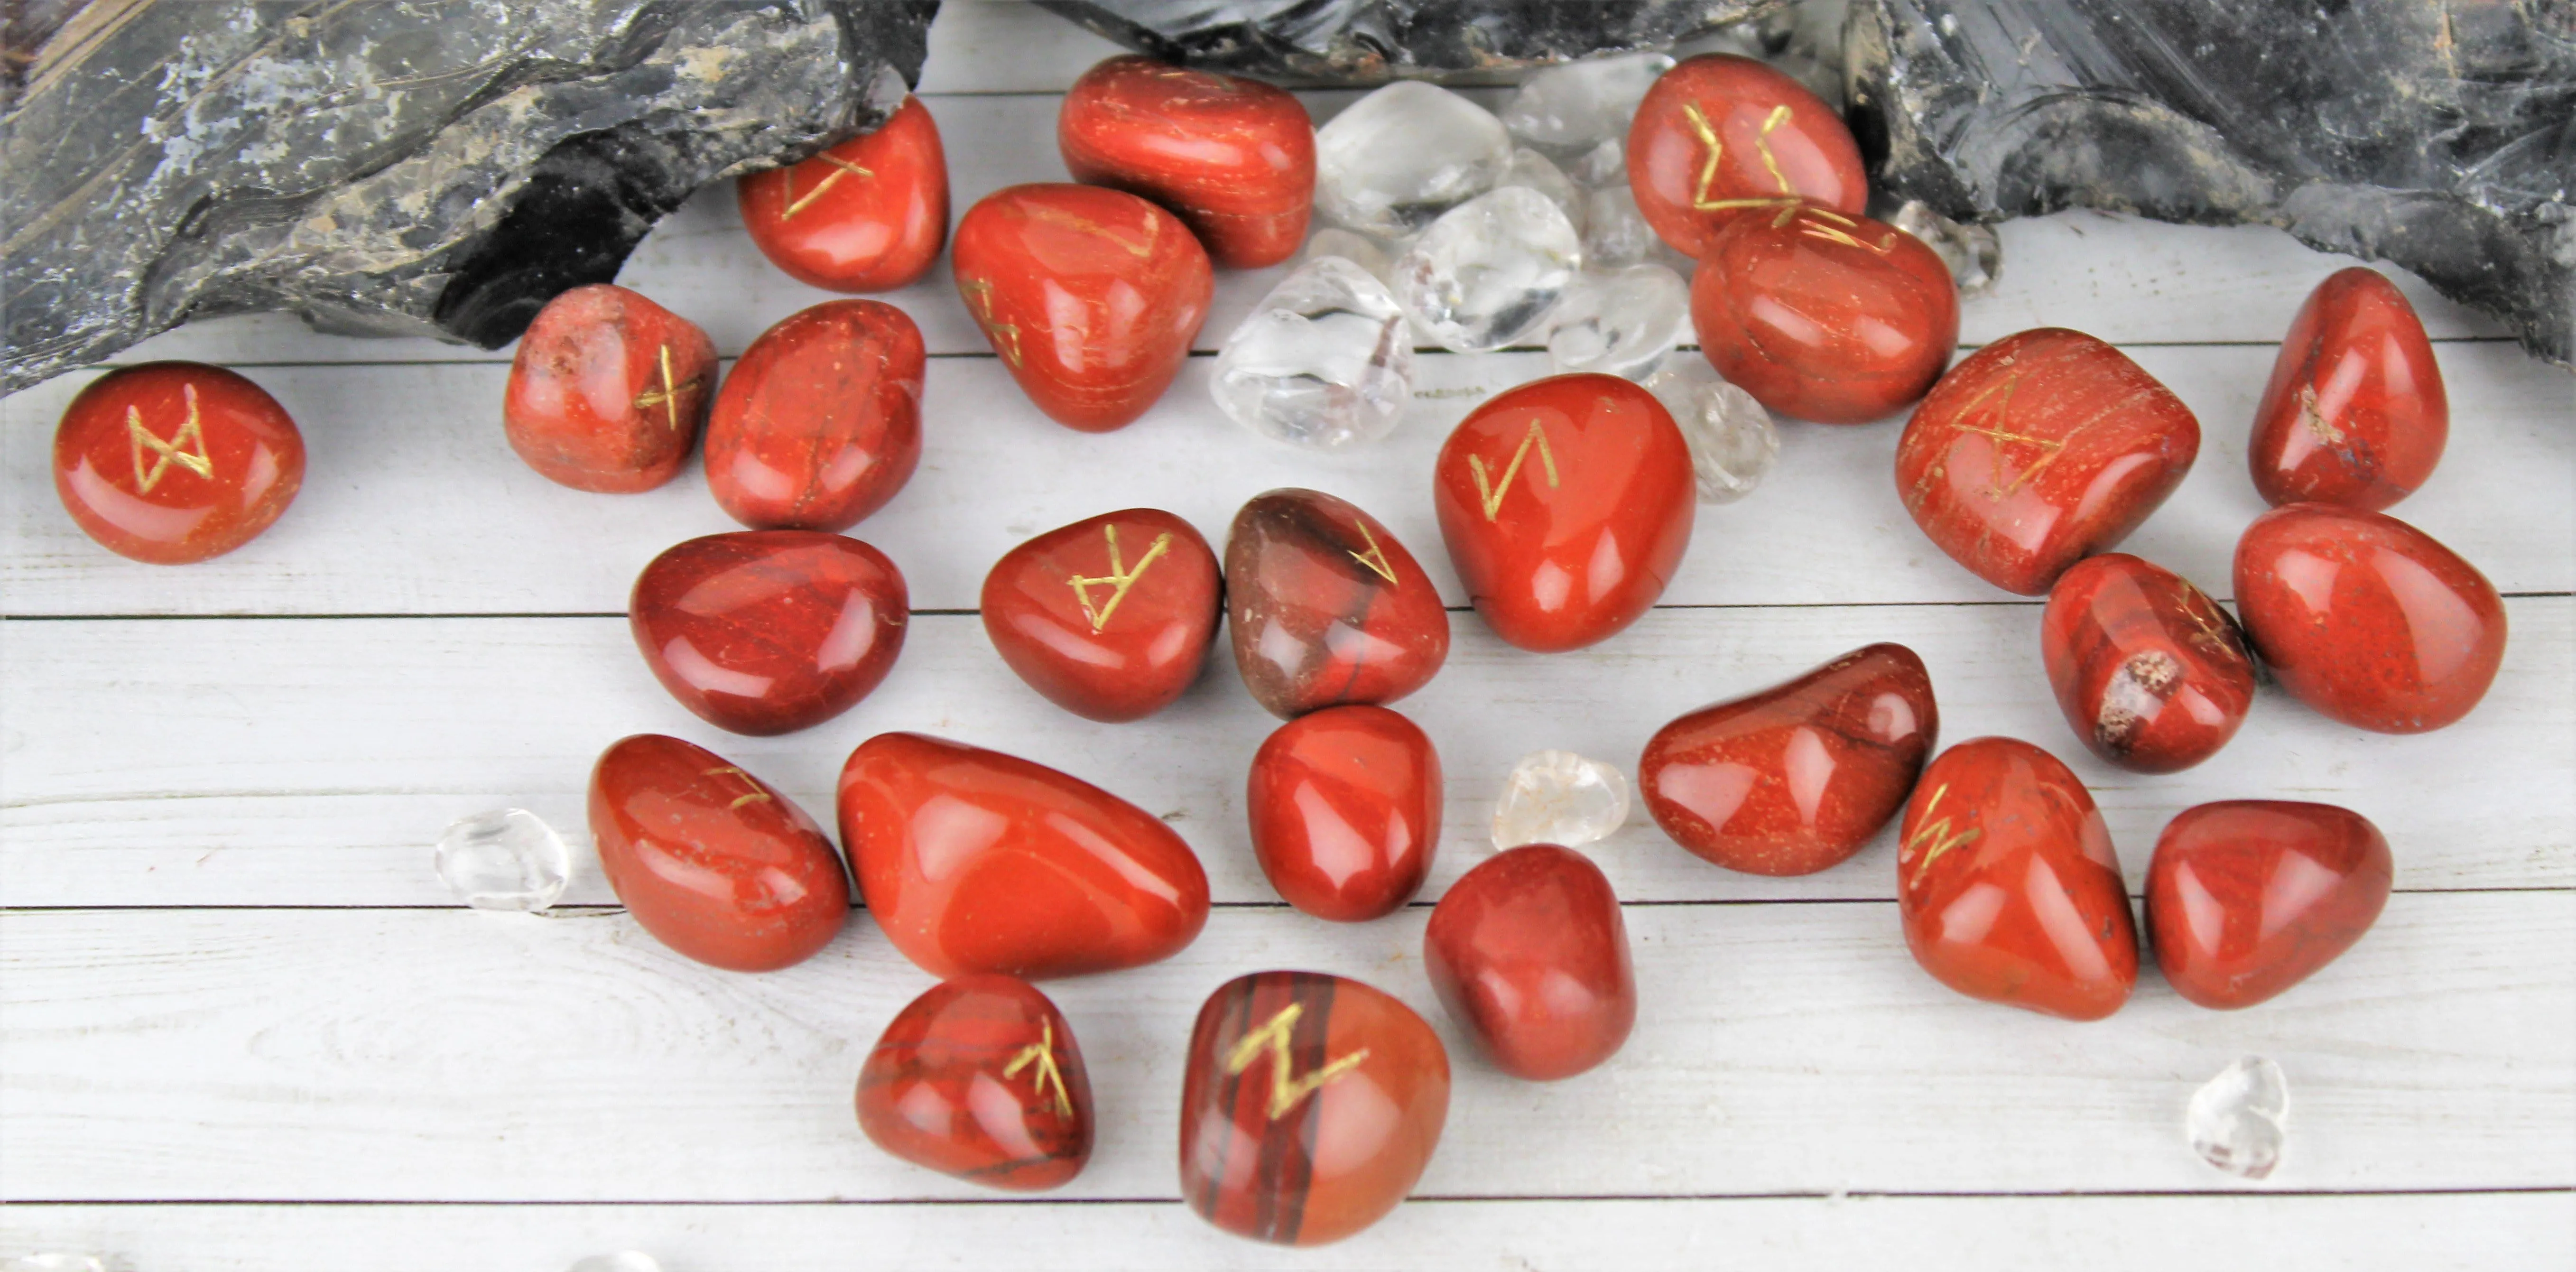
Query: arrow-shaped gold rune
(1042, 1054)
(1119, 578)
(1375, 557)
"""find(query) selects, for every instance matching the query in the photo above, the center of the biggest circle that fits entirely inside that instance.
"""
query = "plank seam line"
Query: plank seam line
(1829, 1197)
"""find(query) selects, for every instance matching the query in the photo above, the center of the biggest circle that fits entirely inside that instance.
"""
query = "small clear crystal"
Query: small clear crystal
(54, 1262)
(1558, 797)
(1532, 169)
(1973, 252)
(507, 859)
(1603, 166)
(1732, 440)
(1615, 233)
(1571, 107)
(1619, 323)
(1401, 156)
(1324, 361)
(1351, 245)
(2237, 1119)
(1486, 274)
(622, 1261)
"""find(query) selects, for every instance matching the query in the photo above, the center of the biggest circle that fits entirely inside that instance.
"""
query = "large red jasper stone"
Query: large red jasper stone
(2355, 414)
(867, 215)
(975, 861)
(2247, 897)
(769, 631)
(714, 862)
(1090, 296)
(607, 390)
(819, 423)
(1310, 1105)
(1325, 607)
(1827, 317)
(1110, 617)
(2149, 671)
(2039, 450)
(1566, 504)
(2366, 618)
(1800, 776)
(172, 462)
(2008, 885)
(1345, 808)
(980, 1078)
(1233, 158)
(1530, 956)
(1720, 137)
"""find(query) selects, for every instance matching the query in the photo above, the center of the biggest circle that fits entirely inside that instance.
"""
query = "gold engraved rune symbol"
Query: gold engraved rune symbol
(1492, 492)
(1937, 832)
(979, 299)
(1813, 226)
(1271, 1039)
(757, 795)
(1717, 149)
(1375, 557)
(1042, 1055)
(1119, 578)
(840, 168)
(2001, 434)
(191, 435)
(668, 395)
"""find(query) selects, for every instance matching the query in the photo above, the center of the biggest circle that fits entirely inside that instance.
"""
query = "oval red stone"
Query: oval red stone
(607, 390)
(769, 631)
(819, 423)
(1345, 810)
(2355, 413)
(2149, 671)
(1110, 617)
(1530, 956)
(869, 214)
(1324, 606)
(173, 462)
(1721, 136)
(980, 1078)
(1826, 317)
(1233, 158)
(2248, 897)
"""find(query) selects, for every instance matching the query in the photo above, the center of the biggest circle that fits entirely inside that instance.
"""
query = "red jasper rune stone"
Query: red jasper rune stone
(2248, 897)
(867, 215)
(975, 861)
(980, 1078)
(819, 423)
(1800, 776)
(2149, 671)
(607, 390)
(1233, 158)
(769, 631)
(1530, 956)
(2355, 414)
(2366, 618)
(1310, 1106)
(1090, 296)
(1345, 808)
(172, 462)
(2008, 885)
(1325, 607)
(1110, 617)
(2038, 451)
(1720, 136)
(712, 861)
(1833, 318)
(1566, 504)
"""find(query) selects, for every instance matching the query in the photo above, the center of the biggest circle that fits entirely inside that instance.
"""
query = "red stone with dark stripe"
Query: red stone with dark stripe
(1324, 607)
(980, 1078)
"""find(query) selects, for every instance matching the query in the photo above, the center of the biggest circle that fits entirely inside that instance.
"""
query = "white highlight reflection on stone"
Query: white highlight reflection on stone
(1619, 323)
(1532, 169)
(1558, 797)
(506, 859)
(1973, 252)
(1325, 361)
(1487, 274)
(1401, 156)
(1573, 106)
(2238, 1119)
(622, 1261)
(1732, 440)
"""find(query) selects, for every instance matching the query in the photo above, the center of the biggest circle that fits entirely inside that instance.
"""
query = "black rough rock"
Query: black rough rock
(2438, 136)
(427, 167)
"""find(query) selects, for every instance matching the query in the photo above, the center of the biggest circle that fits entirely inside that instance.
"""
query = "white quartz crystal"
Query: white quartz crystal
(2237, 1120)
(1558, 797)
(1532, 169)
(1973, 252)
(1621, 322)
(506, 859)
(1486, 274)
(1571, 107)
(1359, 249)
(1601, 167)
(1401, 156)
(1324, 361)
(1732, 440)
(1615, 233)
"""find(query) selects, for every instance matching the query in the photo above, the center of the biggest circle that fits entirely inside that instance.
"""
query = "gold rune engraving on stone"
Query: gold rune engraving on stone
(191, 436)
(1085, 225)
(840, 168)
(1814, 228)
(2000, 433)
(1492, 492)
(979, 299)
(1716, 149)
(1271, 1039)
(1042, 1054)
(2203, 613)
(1375, 557)
(1937, 832)
(757, 795)
(1120, 578)
(667, 396)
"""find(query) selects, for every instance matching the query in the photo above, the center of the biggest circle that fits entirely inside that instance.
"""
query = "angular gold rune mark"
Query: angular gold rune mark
(1492, 492)
(757, 795)
(2001, 434)
(2212, 630)
(1271, 1039)
(840, 168)
(667, 396)
(1813, 227)
(1085, 225)
(1937, 831)
(191, 435)
(1716, 149)
(1375, 557)
(1042, 1054)
(979, 300)
(1119, 578)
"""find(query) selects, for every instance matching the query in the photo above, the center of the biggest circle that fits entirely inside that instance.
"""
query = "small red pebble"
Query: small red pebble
(1233, 158)
(608, 390)
(2355, 414)
(867, 215)
(819, 424)
(1345, 811)
(1826, 317)
(1720, 135)
(172, 462)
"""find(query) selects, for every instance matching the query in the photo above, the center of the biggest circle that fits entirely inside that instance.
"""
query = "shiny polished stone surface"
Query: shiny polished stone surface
(1234, 158)
(172, 462)
(1530, 956)
(769, 631)
(819, 422)
(1111, 617)
(2248, 897)
(1720, 136)
(1822, 316)
(608, 390)
(867, 215)
(1324, 606)
(2355, 413)
(2151, 673)
(980, 1078)
(1345, 811)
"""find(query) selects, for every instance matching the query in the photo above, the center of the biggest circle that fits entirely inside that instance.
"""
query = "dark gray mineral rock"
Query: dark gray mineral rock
(391, 167)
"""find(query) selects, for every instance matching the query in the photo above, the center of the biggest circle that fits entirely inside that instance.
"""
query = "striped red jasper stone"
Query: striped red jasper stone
(980, 1078)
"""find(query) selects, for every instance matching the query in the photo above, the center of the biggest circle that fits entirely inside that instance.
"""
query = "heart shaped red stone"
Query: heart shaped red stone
(714, 862)
(1233, 158)
(1530, 956)
(2149, 671)
(819, 423)
(1566, 504)
(173, 462)
(980, 1078)
(1720, 137)
(1090, 296)
(1110, 617)
(769, 631)
(1798, 777)
(2247, 897)
(1345, 811)
(869, 214)
(607, 390)
(2355, 414)
(1826, 317)
(1324, 606)
(976, 861)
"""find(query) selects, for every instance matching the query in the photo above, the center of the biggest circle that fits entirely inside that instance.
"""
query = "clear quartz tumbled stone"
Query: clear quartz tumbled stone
(1731, 437)
(1351, 245)
(1401, 156)
(1558, 797)
(2237, 1119)
(1619, 323)
(1601, 167)
(1532, 169)
(1325, 361)
(1973, 252)
(507, 859)
(622, 1261)
(1487, 274)
(1576, 105)
(1615, 233)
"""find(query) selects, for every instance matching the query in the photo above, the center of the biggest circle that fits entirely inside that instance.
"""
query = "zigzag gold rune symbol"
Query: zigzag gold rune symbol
(1271, 1039)
(1492, 493)
(840, 168)
(2002, 435)
(1375, 557)
(1938, 831)
(1119, 577)
(1716, 149)
(979, 298)
(191, 434)
(757, 795)
(1042, 1054)
(668, 395)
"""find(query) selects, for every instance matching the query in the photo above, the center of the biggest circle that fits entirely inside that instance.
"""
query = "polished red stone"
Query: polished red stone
(607, 390)
(1530, 956)
(712, 861)
(1800, 776)
(1090, 296)
(976, 861)
(2008, 886)
(1110, 617)
(1826, 317)
(2039, 450)
(819, 423)
(2366, 618)
(2247, 897)
(1310, 1105)
(2149, 671)
(867, 215)
(1325, 607)
(769, 631)
(2355, 414)
(1345, 810)
(172, 462)
(1566, 504)
(980, 1078)
(1720, 136)
(1233, 158)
